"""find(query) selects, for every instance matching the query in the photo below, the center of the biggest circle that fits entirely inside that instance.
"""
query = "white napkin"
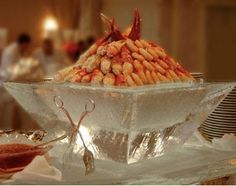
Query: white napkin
(225, 143)
(38, 171)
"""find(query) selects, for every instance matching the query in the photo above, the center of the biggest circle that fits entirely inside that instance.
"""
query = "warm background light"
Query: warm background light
(50, 24)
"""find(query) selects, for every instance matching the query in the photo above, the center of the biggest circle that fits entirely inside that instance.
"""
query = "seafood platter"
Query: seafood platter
(124, 101)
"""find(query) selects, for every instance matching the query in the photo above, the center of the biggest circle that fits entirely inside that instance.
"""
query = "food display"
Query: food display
(116, 116)
(124, 60)
(163, 110)
(129, 125)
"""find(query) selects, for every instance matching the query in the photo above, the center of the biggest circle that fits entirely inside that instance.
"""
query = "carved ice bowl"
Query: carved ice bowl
(128, 124)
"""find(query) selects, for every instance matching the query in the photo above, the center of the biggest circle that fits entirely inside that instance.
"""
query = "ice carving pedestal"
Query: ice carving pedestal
(128, 124)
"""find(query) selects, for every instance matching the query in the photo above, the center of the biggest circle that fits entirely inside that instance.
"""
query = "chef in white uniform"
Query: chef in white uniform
(15, 51)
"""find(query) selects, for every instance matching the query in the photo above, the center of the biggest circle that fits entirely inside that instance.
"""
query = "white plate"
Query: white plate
(231, 96)
(220, 122)
(209, 124)
(227, 105)
(226, 109)
(209, 135)
(203, 139)
(219, 129)
(224, 114)
(233, 91)
(227, 100)
(212, 133)
(221, 118)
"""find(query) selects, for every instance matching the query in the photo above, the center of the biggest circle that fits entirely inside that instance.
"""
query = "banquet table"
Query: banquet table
(194, 163)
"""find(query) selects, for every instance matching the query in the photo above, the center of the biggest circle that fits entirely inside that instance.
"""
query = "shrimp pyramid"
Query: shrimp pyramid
(124, 60)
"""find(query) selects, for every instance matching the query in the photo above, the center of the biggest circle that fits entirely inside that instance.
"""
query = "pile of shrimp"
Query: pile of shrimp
(124, 60)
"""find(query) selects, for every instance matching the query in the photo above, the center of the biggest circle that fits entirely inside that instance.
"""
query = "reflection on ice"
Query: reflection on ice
(128, 125)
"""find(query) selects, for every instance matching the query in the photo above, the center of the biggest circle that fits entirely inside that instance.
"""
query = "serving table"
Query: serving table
(191, 163)
(194, 163)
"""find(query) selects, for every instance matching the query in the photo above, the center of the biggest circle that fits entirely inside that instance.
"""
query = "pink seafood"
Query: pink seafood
(125, 60)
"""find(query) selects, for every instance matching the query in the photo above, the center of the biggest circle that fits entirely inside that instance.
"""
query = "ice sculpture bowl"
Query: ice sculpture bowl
(128, 124)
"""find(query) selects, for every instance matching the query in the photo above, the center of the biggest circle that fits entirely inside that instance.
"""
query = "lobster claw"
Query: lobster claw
(114, 34)
(135, 32)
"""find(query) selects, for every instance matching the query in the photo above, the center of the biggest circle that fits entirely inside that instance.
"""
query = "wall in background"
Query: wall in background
(90, 22)
(189, 34)
(28, 16)
(221, 41)
(175, 24)
(122, 11)
(200, 34)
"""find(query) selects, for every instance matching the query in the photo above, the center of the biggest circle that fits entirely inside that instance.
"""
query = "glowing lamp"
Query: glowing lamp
(50, 24)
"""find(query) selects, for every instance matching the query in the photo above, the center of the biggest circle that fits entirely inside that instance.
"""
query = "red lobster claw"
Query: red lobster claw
(135, 32)
(115, 33)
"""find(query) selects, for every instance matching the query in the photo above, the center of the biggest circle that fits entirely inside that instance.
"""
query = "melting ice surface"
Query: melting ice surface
(128, 124)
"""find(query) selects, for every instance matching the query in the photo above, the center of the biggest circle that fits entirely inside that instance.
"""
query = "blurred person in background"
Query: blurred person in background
(12, 116)
(89, 41)
(15, 51)
(50, 59)
(81, 47)
(71, 50)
